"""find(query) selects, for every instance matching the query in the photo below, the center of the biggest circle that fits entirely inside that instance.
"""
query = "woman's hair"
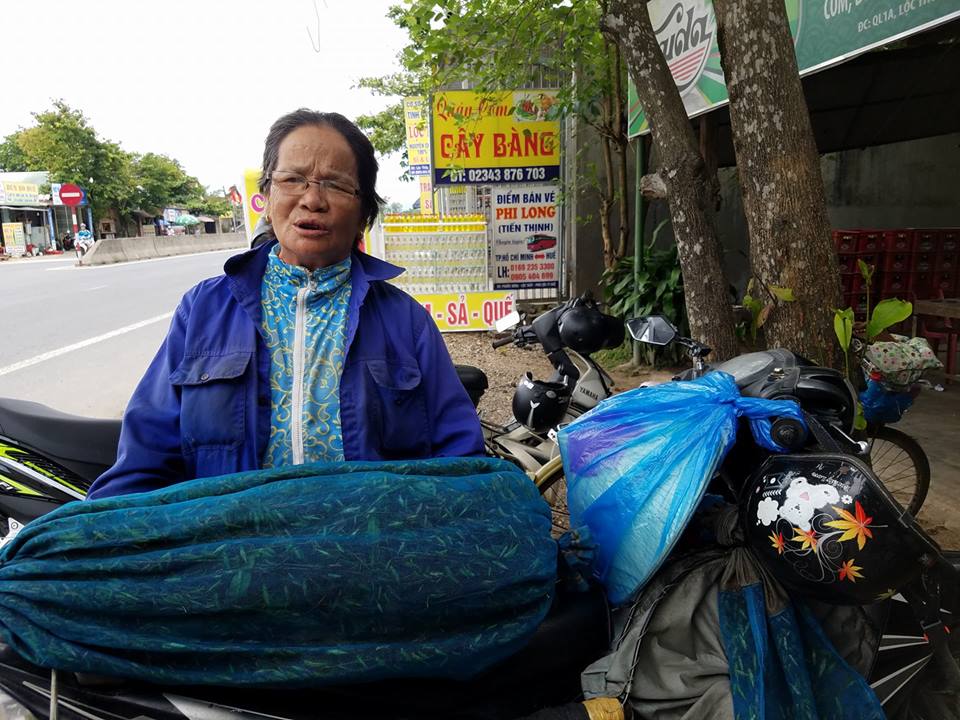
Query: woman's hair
(361, 146)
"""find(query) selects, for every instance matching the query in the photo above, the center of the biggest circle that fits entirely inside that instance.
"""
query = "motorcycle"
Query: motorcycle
(575, 328)
(906, 656)
(49, 458)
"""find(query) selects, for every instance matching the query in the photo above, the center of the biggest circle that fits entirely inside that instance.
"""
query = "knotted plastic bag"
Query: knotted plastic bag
(638, 464)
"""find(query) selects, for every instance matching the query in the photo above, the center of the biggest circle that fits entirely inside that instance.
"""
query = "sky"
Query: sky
(198, 80)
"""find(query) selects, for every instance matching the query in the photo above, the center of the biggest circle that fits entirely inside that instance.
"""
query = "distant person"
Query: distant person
(301, 351)
(84, 240)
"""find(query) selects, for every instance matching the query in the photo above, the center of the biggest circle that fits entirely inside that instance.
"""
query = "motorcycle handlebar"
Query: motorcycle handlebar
(502, 341)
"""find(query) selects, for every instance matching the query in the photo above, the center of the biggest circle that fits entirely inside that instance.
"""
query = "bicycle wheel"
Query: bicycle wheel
(552, 484)
(902, 466)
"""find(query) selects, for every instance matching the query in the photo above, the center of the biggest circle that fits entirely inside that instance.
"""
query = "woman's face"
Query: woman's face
(319, 227)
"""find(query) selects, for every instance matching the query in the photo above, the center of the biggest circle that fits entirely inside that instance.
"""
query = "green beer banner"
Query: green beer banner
(825, 32)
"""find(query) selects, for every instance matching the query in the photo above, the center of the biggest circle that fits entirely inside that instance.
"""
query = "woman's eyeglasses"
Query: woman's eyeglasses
(291, 183)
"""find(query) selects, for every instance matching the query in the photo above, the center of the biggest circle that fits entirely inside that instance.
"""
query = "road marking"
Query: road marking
(82, 344)
(96, 287)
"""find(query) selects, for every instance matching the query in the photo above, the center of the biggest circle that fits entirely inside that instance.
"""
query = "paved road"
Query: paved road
(79, 339)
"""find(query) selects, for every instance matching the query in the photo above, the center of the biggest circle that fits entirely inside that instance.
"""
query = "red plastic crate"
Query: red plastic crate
(898, 262)
(898, 240)
(846, 240)
(945, 282)
(922, 285)
(870, 241)
(848, 264)
(848, 282)
(856, 301)
(870, 258)
(950, 242)
(945, 261)
(859, 285)
(924, 261)
(896, 284)
(926, 241)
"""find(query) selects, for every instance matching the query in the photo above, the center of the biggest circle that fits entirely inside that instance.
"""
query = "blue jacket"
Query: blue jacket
(203, 407)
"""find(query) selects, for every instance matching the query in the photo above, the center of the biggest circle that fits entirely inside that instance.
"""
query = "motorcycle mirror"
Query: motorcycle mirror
(652, 330)
(508, 321)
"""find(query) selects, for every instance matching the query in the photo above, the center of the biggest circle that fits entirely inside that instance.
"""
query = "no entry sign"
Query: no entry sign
(71, 194)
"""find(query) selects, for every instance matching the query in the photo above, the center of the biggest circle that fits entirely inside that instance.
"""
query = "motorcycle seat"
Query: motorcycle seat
(545, 673)
(474, 380)
(87, 446)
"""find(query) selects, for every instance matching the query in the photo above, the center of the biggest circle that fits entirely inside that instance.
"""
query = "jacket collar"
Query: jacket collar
(245, 275)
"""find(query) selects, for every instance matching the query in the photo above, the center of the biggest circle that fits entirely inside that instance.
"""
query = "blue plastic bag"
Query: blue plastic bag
(883, 406)
(638, 464)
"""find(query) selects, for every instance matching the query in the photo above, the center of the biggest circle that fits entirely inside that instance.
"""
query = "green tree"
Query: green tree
(505, 44)
(387, 129)
(161, 181)
(212, 204)
(64, 143)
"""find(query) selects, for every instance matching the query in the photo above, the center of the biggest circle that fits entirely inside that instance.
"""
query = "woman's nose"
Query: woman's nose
(315, 198)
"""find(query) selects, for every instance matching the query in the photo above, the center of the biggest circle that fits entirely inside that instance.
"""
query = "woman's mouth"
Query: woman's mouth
(310, 229)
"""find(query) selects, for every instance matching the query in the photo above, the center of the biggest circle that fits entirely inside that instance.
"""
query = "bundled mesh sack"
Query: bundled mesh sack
(296, 577)
(900, 362)
(637, 466)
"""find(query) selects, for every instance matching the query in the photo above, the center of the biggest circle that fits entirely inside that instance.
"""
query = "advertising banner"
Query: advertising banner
(455, 312)
(825, 33)
(254, 201)
(17, 193)
(426, 195)
(14, 239)
(526, 237)
(416, 116)
(505, 137)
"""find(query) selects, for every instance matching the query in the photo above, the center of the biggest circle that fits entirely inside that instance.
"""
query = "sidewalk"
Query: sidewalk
(934, 422)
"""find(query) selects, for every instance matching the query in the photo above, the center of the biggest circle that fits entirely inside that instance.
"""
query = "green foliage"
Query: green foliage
(63, 142)
(760, 307)
(657, 289)
(866, 272)
(213, 205)
(160, 181)
(887, 312)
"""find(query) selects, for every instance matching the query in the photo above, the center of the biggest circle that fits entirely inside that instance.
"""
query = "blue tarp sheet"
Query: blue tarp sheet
(296, 577)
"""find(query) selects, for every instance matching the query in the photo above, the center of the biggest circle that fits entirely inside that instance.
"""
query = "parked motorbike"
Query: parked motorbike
(49, 458)
(912, 621)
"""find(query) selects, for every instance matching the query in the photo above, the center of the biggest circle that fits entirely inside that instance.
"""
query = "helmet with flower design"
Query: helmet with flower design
(827, 528)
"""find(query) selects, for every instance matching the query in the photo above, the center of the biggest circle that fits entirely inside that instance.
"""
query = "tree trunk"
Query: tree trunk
(618, 125)
(683, 173)
(779, 169)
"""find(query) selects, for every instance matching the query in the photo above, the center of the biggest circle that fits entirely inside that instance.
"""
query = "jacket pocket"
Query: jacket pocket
(212, 399)
(401, 408)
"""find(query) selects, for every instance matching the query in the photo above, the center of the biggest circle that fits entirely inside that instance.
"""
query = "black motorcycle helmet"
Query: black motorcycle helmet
(540, 405)
(584, 329)
(826, 527)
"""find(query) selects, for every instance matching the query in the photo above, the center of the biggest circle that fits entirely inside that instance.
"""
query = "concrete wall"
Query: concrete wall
(908, 184)
(585, 255)
(114, 250)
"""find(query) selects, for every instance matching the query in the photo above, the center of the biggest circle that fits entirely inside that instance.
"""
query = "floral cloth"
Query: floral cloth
(901, 362)
(321, 361)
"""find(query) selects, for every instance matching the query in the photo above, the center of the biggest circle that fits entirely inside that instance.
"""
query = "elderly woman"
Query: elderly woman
(300, 351)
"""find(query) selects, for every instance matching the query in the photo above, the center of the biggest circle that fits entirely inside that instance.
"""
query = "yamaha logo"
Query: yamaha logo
(685, 36)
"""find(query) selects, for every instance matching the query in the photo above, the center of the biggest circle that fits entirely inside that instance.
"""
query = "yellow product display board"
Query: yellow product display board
(504, 137)
(254, 202)
(441, 255)
(458, 312)
(14, 239)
